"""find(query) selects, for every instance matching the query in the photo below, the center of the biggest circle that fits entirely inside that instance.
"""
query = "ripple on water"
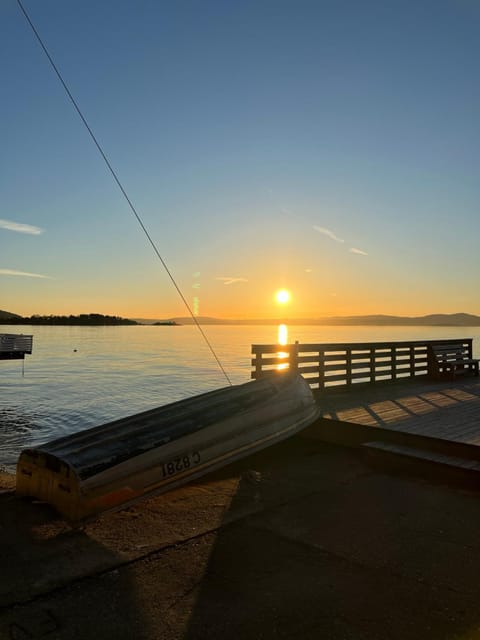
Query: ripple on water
(18, 429)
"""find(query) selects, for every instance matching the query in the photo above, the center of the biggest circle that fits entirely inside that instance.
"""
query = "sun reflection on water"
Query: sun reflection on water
(282, 340)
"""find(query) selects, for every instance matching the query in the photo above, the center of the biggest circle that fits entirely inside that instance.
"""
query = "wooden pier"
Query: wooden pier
(449, 410)
(388, 399)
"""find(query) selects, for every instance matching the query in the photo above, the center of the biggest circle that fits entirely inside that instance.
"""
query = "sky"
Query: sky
(330, 148)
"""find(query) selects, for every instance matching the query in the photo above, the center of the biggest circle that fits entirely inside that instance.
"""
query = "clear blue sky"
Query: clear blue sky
(329, 147)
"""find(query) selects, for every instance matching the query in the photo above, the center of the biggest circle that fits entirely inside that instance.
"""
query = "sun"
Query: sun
(282, 296)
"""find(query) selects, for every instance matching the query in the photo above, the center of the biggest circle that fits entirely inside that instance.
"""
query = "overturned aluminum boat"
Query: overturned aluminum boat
(116, 464)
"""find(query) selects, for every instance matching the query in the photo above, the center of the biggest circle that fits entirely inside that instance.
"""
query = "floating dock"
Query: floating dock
(14, 346)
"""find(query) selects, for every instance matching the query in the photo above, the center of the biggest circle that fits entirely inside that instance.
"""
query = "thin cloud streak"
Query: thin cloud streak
(9, 225)
(12, 272)
(328, 233)
(227, 280)
(332, 236)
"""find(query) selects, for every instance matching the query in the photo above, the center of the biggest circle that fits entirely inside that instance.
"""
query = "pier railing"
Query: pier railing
(337, 364)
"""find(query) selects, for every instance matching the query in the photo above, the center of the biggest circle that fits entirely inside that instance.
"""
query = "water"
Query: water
(78, 377)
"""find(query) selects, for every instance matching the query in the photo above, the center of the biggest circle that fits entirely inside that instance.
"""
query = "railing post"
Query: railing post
(257, 362)
(348, 359)
(294, 357)
(321, 369)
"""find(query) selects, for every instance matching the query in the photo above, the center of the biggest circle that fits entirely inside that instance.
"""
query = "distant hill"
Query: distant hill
(432, 320)
(454, 319)
(6, 315)
(208, 320)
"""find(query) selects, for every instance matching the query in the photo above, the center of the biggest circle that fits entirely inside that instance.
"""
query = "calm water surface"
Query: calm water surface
(78, 377)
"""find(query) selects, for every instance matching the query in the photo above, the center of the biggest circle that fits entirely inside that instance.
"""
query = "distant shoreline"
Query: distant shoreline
(432, 320)
(240, 323)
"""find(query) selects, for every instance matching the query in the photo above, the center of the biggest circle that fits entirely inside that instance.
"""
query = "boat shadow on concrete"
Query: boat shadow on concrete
(332, 548)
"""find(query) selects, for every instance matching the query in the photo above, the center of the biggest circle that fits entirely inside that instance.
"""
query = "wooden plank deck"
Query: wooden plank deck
(445, 410)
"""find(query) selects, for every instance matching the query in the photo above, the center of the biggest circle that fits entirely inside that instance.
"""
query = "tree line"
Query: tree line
(82, 319)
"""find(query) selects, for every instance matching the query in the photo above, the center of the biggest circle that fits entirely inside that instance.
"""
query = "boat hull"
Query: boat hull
(118, 463)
